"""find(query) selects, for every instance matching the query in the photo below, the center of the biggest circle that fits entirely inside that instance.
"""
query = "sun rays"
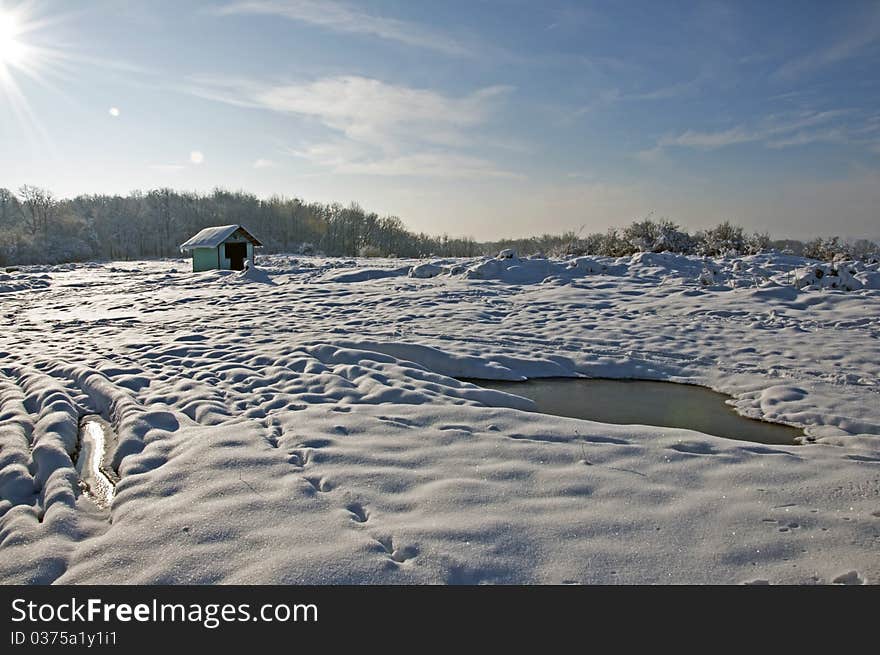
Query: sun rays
(32, 52)
(20, 60)
(12, 52)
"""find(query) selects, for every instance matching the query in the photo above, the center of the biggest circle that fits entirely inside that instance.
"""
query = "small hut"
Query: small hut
(225, 248)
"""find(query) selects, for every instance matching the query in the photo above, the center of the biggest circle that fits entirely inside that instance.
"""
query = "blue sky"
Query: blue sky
(487, 118)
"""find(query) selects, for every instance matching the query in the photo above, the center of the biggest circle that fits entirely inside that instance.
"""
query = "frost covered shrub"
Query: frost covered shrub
(723, 239)
(662, 236)
(57, 249)
(827, 249)
(642, 235)
(866, 251)
(710, 275)
(578, 246)
(757, 243)
(673, 240)
(613, 244)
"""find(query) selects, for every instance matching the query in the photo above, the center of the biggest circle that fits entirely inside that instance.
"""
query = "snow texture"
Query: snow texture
(304, 422)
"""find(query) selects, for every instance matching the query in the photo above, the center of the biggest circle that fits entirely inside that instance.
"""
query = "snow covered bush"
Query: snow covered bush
(711, 274)
(723, 239)
(642, 235)
(662, 236)
(826, 276)
(827, 249)
(613, 244)
(757, 243)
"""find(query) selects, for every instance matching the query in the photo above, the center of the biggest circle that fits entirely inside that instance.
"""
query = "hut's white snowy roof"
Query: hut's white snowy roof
(211, 237)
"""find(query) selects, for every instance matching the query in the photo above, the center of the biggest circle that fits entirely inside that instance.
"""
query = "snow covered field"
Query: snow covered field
(303, 423)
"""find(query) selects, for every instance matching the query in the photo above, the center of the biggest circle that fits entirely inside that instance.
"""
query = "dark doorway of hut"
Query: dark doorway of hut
(236, 254)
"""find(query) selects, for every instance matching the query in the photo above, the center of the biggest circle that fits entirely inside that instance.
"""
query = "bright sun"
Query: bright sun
(11, 50)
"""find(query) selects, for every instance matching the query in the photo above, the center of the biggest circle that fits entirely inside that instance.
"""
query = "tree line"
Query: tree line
(664, 235)
(40, 228)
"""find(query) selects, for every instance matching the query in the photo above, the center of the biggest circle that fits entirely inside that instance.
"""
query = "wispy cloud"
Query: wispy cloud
(774, 132)
(376, 127)
(611, 96)
(264, 163)
(342, 17)
(354, 160)
(675, 90)
(710, 140)
(861, 36)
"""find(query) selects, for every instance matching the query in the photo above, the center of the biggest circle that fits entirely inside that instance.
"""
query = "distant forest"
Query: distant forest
(41, 229)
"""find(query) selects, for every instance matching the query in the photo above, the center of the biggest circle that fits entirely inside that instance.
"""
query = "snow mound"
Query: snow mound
(424, 271)
(254, 274)
(364, 275)
(12, 282)
(587, 265)
(827, 276)
(515, 271)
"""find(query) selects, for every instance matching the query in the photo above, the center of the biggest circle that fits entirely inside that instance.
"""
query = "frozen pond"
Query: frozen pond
(645, 402)
(95, 435)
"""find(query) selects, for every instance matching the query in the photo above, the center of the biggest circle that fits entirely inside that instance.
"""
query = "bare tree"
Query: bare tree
(9, 210)
(38, 206)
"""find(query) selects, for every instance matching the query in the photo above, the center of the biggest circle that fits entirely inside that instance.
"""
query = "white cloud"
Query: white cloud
(341, 17)
(375, 112)
(264, 163)
(114, 112)
(378, 128)
(197, 157)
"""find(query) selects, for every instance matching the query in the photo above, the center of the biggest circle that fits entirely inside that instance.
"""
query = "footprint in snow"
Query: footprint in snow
(358, 512)
(298, 457)
(397, 554)
(319, 484)
(694, 448)
(397, 421)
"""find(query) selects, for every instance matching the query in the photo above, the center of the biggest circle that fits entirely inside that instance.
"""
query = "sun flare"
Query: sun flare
(12, 51)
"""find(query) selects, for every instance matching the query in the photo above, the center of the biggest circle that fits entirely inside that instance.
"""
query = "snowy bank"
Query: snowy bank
(324, 435)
